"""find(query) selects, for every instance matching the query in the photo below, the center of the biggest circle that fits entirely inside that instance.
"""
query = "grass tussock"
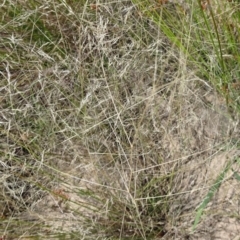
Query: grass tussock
(111, 115)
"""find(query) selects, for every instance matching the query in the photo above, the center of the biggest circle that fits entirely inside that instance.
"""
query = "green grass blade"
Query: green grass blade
(210, 194)
(235, 174)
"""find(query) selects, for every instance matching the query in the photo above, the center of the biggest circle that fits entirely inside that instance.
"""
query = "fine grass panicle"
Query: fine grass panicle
(118, 119)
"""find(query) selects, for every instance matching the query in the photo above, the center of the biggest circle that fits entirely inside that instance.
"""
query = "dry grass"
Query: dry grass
(108, 130)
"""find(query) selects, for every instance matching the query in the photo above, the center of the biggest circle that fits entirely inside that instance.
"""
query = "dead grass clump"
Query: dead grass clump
(106, 131)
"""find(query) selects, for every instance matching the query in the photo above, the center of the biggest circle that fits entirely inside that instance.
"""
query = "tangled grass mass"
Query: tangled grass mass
(119, 119)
